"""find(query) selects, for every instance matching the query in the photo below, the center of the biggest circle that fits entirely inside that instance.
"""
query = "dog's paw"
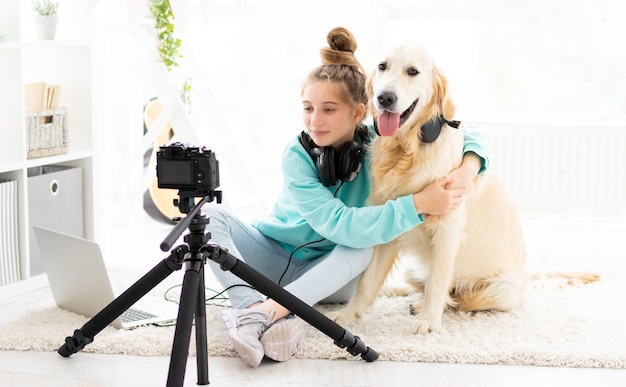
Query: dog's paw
(342, 317)
(415, 309)
(423, 326)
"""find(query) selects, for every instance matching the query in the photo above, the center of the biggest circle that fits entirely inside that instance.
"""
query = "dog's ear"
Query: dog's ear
(446, 106)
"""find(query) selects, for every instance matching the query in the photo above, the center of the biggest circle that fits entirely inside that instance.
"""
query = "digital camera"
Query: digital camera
(194, 171)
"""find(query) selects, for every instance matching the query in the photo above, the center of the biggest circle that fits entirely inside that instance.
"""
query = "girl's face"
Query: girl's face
(328, 120)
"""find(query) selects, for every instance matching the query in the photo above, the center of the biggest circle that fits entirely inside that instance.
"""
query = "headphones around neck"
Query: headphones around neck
(333, 168)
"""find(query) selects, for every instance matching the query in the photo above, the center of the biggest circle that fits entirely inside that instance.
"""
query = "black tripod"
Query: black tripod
(192, 298)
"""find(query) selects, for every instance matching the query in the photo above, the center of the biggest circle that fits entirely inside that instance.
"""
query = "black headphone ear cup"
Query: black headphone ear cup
(326, 166)
(306, 142)
(349, 161)
(332, 168)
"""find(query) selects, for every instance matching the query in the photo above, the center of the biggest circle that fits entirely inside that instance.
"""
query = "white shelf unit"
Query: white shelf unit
(65, 61)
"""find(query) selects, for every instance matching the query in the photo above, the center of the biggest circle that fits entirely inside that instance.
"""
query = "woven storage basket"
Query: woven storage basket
(46, 132)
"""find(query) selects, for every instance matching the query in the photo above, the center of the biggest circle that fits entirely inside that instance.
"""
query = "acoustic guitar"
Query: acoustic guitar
(158, 202)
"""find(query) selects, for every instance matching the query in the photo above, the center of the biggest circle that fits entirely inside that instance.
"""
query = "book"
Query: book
(40, 96)
(35, 96)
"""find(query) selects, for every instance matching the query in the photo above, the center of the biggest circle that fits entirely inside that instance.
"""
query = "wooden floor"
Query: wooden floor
(548, 246)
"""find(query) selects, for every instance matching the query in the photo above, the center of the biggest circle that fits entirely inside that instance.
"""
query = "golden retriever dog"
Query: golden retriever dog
(475, 255)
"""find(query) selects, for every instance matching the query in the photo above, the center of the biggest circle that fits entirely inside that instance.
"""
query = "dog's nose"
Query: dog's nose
(386, 99)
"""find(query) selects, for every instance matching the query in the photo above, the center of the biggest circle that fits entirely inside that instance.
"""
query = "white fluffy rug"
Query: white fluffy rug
(558, 325)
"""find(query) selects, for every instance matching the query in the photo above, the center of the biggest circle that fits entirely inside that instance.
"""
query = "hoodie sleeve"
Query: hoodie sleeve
(476, 142)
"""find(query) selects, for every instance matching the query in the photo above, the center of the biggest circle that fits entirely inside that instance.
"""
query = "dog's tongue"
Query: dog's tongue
(388, 123)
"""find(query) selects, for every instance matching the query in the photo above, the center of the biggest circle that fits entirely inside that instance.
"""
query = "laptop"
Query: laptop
(80, 283)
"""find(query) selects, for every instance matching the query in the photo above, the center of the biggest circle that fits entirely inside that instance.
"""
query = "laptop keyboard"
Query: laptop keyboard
(131, 315)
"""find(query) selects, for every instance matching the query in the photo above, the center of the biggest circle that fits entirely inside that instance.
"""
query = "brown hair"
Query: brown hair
(341, 68)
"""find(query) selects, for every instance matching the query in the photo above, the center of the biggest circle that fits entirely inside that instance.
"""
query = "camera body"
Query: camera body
(194, 171)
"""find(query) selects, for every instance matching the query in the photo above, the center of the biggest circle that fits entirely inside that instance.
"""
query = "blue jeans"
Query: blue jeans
(331, 278)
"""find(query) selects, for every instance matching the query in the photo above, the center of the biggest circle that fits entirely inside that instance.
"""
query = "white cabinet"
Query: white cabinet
(64, 61)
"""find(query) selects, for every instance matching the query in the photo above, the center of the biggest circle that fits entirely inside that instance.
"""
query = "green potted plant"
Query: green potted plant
(169, 44)
(46, 18)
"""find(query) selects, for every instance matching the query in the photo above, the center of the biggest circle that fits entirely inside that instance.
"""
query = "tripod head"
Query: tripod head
(187, 198)
(194, 218)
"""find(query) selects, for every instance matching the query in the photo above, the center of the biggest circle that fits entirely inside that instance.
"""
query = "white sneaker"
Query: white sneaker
(245, 327)
(281, 340)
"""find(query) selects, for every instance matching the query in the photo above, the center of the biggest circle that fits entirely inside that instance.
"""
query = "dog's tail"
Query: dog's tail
(573, 278)
(505, 291)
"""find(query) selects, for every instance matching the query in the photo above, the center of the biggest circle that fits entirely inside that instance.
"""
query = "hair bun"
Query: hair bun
(341, 39)
(342, 46)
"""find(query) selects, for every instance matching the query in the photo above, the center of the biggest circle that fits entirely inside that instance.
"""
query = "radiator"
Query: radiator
(561, 172)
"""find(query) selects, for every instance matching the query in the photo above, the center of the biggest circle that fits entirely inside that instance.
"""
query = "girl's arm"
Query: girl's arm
(475, 159)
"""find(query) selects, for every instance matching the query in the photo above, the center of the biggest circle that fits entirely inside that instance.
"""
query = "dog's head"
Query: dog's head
(406, 90)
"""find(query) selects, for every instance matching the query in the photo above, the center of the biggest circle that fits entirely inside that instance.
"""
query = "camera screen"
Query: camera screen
(176, 172)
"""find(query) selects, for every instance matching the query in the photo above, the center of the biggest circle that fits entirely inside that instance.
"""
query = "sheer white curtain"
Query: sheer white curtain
(529, 63)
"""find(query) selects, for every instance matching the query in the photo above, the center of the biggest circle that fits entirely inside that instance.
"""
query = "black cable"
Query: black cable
(216, 296)
(306, 244)
(291, 256)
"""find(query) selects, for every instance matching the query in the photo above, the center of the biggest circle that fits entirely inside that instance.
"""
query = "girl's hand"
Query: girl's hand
(436, 199)
(463, 175)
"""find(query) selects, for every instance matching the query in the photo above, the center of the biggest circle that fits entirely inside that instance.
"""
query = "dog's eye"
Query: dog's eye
(412, 71)
(382, 66)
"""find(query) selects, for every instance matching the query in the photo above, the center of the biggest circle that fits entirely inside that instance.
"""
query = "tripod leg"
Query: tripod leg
(343, 338)
(184, 322)
(202, 360)
(87, 332)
